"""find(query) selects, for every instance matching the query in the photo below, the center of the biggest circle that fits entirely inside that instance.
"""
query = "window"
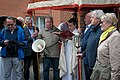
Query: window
(40, 22)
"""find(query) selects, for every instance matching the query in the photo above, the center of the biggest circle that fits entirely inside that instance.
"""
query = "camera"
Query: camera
(12, 47)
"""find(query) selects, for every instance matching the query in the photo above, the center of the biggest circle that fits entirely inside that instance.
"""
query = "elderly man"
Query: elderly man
(84, 40)
(51, 52)
(12, 40)
(30, 55)
(92, 43)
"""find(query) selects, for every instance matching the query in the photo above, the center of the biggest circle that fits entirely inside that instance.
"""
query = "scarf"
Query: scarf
(105, 33)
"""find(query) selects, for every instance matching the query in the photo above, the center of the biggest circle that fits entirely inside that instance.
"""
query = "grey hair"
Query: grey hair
(97, 13)
(110, 17)
(28, 19)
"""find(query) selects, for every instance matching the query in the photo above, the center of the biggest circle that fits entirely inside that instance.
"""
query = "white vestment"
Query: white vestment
(68, 60)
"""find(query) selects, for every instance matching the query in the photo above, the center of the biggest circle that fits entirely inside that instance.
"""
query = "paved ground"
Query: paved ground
(31, 72)
(41, 72)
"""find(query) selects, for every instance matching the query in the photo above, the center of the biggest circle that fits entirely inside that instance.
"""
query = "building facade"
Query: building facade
(17, 8)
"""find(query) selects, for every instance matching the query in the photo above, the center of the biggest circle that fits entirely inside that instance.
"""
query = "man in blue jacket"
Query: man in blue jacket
(92, 43)
(12, 40)
(89, 42)
(84, 40)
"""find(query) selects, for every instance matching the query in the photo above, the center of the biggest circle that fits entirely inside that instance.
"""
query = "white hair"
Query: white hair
(20, 19)
(97, 13)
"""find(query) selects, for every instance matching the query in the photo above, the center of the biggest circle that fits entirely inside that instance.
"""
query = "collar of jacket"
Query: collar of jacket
(95, 28)
(31, 27)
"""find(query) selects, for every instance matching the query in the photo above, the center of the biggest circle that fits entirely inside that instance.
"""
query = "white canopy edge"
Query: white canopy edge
(59, 3)
(53, 3)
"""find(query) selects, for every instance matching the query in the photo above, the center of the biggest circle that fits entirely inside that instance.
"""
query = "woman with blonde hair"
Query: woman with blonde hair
(107, 66)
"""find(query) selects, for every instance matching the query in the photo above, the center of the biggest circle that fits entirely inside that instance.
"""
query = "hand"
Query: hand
(57, 33)
(79, 55)
(6, 42)
(79, 30)
(35, 34)
(69, 37)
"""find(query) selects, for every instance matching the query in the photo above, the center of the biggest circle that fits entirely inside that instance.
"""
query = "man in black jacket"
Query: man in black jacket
(30, 55)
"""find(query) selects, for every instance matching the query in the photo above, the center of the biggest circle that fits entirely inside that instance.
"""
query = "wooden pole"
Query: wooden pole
(34, 17)
(79, 59)
(78, 18)
(36, 53)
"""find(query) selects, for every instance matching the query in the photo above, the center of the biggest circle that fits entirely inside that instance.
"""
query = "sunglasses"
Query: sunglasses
(10, 24)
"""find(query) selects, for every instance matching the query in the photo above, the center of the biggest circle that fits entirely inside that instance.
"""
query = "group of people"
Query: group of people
(99, 49)
(17, 54)
(99, 46)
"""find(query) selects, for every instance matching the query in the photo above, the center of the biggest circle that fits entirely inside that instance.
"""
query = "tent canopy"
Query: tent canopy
(71, 4)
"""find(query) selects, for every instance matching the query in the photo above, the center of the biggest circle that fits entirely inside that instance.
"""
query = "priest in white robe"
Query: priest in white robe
(68, 59)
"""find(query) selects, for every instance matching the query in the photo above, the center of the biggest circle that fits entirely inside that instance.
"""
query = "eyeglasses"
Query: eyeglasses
(10, 24)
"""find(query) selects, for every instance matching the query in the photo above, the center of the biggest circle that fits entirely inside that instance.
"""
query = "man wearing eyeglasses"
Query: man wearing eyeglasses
(12, 40)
